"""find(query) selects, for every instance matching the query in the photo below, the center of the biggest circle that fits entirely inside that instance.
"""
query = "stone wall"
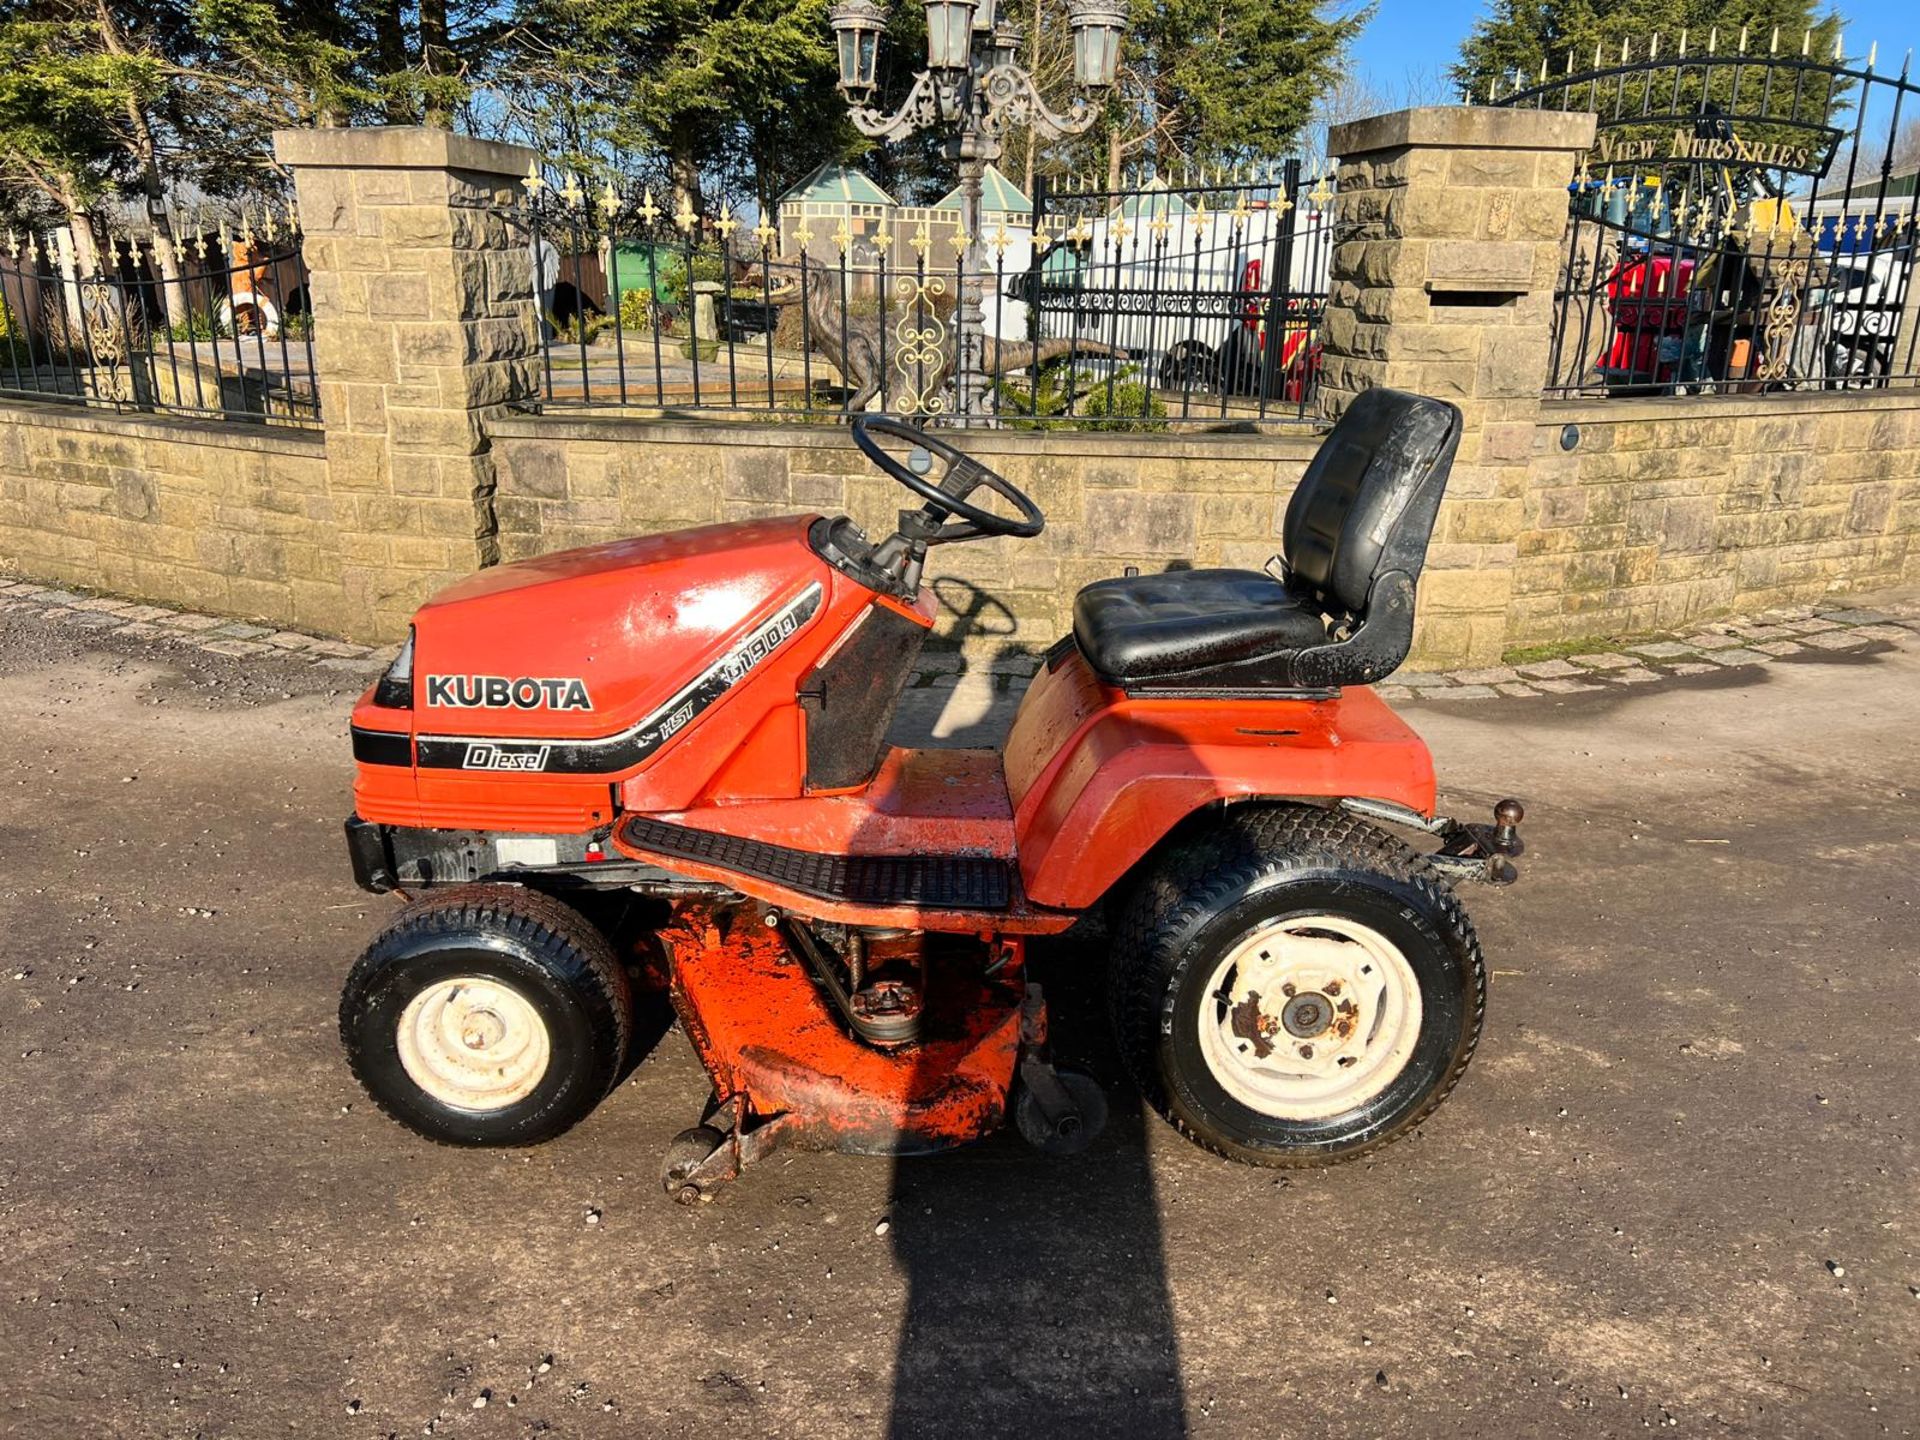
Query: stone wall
(424, 321)
(1669, 510)
(1665, 512)
(228, 518)
(1111, 501)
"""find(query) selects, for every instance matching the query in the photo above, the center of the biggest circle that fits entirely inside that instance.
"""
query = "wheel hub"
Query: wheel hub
(1310, 1016)
(1306, 1016)
(484, 1028)
(473, 1043)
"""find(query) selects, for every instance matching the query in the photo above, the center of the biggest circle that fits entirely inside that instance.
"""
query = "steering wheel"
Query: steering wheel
(964, 475)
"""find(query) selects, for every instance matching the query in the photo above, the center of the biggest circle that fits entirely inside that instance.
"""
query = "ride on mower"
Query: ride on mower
(664, 762)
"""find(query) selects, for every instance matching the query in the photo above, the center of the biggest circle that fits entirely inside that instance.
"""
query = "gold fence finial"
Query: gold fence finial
(534, 182)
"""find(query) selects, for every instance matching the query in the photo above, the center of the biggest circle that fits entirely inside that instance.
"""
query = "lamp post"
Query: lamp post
(973, 86)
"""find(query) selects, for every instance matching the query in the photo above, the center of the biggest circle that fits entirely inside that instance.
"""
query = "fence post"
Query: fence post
(422, 293)
(1451, 225)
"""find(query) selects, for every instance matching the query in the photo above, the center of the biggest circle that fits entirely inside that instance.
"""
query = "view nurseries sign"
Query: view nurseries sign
(1685, 145)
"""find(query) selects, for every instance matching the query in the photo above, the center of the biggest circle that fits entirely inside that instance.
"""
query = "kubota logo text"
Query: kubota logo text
(497, 692)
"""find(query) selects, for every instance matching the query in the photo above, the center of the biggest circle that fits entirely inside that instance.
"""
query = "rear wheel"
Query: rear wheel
(487, 1015)
(1295, 987)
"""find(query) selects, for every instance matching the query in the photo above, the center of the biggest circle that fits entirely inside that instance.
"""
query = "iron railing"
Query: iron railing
(213, 324)
(1142, 308)
(1745, 224)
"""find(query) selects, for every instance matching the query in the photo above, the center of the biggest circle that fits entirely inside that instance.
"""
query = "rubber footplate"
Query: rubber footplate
(927, 882)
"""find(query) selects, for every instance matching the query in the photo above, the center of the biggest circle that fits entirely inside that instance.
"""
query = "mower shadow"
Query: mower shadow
(1037, 1294)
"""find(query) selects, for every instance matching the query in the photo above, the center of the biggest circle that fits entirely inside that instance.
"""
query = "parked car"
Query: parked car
(1861, 302)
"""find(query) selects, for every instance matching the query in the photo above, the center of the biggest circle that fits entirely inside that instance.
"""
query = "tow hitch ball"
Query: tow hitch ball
(1468, 851)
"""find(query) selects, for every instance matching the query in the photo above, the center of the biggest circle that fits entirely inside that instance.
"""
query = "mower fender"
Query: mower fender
(1098, 778)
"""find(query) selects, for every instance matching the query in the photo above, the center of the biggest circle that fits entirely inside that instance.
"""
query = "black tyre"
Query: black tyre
(487, 1015)
(1294, 987)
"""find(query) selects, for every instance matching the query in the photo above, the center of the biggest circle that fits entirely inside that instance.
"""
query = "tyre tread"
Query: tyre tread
(557, 932)
(1218, 856)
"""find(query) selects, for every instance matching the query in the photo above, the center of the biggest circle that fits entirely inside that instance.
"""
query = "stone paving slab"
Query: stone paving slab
(1838, 640)
(1549, 670)
(1661, 650)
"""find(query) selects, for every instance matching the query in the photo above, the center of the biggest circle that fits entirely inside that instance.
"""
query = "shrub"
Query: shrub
(1125, 405)
(636, 311)
(580, 330)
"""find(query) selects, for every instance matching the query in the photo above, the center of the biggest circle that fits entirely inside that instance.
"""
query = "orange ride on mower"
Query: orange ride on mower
(663, 761)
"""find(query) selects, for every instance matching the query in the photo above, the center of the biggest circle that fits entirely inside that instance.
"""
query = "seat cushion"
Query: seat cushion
(1186, 622)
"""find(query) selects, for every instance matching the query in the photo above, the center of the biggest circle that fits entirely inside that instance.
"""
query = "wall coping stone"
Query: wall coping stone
(399, 147)
(178, 429)
(1597, 411)
(519, 425)
(1465, 127)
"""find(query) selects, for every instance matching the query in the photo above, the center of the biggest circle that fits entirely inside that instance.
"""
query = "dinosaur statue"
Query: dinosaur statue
(864, 342)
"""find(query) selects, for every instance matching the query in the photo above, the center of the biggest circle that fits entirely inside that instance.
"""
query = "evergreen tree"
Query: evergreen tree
(1510, 44)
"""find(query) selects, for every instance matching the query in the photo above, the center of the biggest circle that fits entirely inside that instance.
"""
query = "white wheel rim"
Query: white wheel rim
(1309, 1017)
(473, 1043)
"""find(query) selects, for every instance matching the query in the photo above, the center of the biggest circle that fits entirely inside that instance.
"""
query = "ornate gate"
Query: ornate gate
(1744, 223)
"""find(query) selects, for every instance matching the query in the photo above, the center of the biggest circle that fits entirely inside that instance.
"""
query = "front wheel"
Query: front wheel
(1295, 987)
(487, 1015)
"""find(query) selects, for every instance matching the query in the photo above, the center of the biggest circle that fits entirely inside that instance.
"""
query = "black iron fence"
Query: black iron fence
(1745, 222)
(214, 324)
(1165, 304)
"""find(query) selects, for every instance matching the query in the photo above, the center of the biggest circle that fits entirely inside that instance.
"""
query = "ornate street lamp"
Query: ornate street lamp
(1098, 26)
(857, 28)
(974, 86)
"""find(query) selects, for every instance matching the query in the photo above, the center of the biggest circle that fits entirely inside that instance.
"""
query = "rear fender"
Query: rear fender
(1098, 778)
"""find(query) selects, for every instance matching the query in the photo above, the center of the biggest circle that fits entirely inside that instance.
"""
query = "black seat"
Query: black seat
(1354, 541)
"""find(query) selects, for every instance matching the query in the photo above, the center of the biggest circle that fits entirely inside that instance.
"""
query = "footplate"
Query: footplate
(930, 882)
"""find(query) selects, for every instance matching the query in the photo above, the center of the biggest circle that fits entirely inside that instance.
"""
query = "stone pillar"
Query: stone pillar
(1452, 228)
(422, 293)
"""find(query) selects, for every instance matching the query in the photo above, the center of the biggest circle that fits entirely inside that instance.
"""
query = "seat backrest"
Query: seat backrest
(1367, 502)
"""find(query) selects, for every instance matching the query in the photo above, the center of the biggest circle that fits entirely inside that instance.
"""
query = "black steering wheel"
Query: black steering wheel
(963, 476)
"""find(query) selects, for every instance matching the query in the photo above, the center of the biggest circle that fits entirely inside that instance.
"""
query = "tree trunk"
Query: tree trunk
(436, 60)
(390, 48)
(1116, 150)
(686, 181)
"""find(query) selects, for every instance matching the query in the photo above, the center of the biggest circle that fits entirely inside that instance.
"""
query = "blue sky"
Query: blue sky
(1409, 44)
